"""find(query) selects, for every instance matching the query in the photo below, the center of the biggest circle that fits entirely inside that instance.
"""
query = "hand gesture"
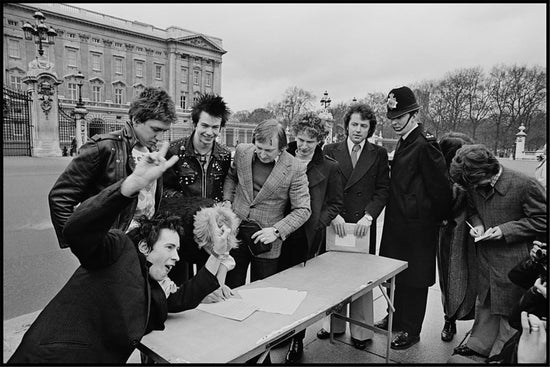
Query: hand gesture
(220, 245)
(148, 170)
(265, 235)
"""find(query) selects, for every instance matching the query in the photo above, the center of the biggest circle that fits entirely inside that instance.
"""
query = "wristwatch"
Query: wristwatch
(277, 233)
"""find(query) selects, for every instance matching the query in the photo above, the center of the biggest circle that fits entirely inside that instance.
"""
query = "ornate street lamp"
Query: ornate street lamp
(39, 31)
(325, 101)
(80, 111)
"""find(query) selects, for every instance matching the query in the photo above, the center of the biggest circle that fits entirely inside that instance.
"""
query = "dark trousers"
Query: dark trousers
(259, 268)
(410, 308)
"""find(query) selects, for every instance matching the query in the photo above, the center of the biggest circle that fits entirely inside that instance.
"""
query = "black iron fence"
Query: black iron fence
(16, 130)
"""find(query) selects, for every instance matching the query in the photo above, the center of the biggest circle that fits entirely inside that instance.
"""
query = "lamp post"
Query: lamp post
(39, 31)
(80, 112)
(325, 101)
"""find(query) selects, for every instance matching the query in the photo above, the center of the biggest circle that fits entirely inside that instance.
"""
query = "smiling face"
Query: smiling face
(358, 129)
(150, 132)
(207, 129)
(164, 254)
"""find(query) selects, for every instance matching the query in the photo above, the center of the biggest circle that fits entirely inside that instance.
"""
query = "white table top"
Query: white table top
(196, 336)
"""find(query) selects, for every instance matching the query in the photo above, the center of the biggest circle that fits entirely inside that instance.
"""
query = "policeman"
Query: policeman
(420, 196)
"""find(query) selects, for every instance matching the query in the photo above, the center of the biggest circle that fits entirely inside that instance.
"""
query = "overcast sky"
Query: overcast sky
(349, 49)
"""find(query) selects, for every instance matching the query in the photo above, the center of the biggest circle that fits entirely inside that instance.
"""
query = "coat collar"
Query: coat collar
(217, 150)
(314, 172)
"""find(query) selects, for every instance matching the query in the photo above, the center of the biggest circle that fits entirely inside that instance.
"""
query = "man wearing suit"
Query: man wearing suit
(364, 171)
(509, 208)
(420, 197)
(264, 180)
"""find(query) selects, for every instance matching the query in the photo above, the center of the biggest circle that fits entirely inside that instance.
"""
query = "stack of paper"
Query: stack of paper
(271, 299)
(232, 308)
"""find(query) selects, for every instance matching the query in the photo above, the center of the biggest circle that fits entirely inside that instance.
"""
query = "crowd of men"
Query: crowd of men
(123, 202)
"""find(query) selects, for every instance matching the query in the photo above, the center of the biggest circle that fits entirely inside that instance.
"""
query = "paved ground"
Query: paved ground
(35, 268)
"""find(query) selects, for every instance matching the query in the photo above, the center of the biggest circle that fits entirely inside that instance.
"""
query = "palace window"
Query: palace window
(196, 77)
(183, 100)
(71, 58)
(158, 72)
(184, 72)
(96, 62)
(208, 79)
(73, 91)
(96, 93)
(119, 95)
(118, 66)
(13, 48)
(16, 82)
(139, 69)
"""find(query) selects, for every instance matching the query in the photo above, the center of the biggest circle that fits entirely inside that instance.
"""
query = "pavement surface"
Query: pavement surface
(35, 269)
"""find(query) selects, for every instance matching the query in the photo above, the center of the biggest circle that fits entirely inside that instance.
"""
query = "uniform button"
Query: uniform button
(118, 160)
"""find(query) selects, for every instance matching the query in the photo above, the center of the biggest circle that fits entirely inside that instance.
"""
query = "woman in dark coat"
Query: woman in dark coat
(326, 192)
(456, 252)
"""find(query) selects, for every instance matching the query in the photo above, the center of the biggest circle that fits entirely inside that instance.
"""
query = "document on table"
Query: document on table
(272, 299)
(348, 243)
(232, 308)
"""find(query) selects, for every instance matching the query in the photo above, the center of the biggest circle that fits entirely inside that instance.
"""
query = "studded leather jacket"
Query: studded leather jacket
(189, 178)
(102, 161)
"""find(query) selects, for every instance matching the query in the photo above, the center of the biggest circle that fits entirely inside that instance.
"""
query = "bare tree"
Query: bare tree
(295, 101)
(478, 98)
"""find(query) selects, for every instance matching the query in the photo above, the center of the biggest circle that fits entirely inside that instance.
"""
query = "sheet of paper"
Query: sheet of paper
(348, 243)
(232, 308)
(483, 236)
(275, 300)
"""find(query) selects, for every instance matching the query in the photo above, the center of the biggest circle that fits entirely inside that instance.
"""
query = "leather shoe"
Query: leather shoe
(383, 324)
(295, 351)
(359, 344)
(323, 334)
(449, 331)
(404, 340)
(464, 350)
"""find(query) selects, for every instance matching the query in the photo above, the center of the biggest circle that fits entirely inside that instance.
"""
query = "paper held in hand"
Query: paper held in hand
(479, 238)
(348, 243)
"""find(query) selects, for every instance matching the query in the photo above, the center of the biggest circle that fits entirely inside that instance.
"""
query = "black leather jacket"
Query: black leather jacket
(187, 177)
(102, 161)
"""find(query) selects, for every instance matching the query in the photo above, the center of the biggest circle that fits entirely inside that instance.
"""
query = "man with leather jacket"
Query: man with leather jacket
(108, 158)
(200, 171)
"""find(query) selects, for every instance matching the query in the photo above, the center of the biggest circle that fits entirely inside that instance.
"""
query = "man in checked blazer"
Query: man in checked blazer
(266, 185)
(366, 183)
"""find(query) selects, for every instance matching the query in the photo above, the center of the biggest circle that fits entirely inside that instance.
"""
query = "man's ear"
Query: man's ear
(143, 248)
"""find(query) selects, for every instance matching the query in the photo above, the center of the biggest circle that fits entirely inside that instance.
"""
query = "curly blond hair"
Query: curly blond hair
(205, 220)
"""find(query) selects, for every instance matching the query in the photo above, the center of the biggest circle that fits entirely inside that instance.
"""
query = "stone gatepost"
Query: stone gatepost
(42, 82)
(520, 143)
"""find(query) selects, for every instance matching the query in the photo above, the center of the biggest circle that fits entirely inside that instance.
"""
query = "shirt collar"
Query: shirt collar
(409, 133)
(351, 144)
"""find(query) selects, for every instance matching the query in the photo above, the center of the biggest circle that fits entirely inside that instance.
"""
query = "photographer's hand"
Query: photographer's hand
(532, 343)
(541, 287)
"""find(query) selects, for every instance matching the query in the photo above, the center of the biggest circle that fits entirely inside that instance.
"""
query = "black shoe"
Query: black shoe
(295, 351)
(449, 331)
(404, 340)
(464, 350)
(323, 334)
(383, 324)
(359, 344)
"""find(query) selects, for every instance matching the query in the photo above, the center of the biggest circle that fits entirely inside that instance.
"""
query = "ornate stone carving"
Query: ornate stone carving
(84, 37)
(129, 46)
(107, 43)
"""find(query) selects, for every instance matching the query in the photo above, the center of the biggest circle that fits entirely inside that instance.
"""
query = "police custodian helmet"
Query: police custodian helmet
(401, 101)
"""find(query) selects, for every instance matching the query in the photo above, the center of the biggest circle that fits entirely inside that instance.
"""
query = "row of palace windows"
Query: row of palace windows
(118, 62)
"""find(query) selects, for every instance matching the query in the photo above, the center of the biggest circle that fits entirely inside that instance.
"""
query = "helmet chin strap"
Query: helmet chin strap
(404, 126)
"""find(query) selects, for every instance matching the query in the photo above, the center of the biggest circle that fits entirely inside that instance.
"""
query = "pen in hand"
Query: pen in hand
(472, 227)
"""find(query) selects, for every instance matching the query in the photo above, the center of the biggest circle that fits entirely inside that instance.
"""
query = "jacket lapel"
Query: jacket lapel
(341, 154)
(245, 177)
(364, 163)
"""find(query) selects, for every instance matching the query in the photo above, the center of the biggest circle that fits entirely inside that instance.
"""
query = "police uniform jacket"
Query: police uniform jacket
(420, 198)
(188, 178)
(366, 187)
(102, 161)
(110, 302)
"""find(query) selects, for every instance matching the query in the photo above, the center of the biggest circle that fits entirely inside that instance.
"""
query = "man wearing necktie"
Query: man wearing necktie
(420, 198)
(364, 172)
